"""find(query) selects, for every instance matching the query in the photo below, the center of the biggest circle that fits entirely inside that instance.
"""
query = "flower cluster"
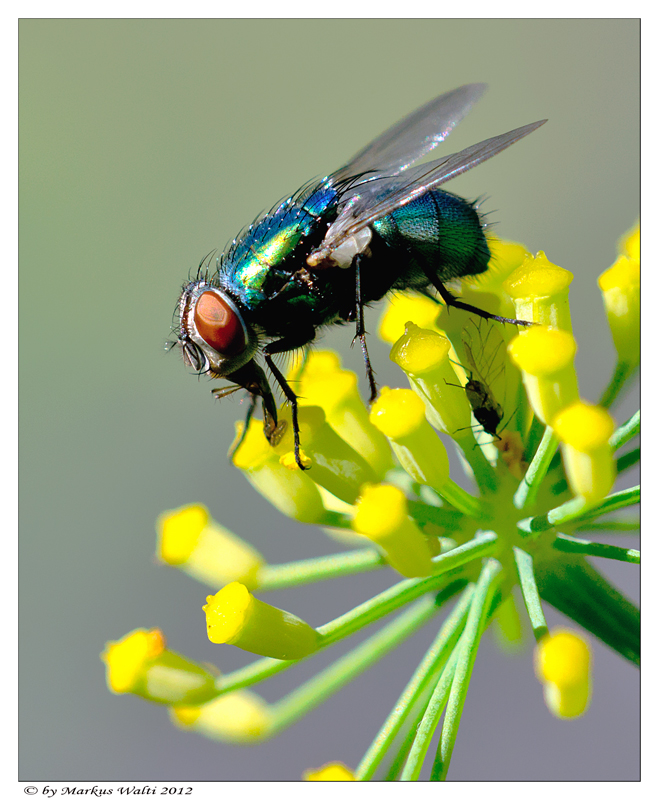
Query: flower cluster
(541, 463)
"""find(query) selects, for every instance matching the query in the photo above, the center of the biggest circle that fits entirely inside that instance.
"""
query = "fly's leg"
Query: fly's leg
(253, 399)
(360, 331)
(448, 298)
(251, 377)
(283, 346)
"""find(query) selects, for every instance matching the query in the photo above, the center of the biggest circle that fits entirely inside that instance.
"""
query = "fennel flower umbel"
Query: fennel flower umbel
(541, 463)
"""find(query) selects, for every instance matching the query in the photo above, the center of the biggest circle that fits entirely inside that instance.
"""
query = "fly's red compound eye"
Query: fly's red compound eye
(219, 325)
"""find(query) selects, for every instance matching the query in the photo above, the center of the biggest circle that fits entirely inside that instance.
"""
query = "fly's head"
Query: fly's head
(213, 335)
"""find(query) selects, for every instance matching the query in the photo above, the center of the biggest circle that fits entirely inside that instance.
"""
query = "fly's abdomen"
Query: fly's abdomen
(438, 232)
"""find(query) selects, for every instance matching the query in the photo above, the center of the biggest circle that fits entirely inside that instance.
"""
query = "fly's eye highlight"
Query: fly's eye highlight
(218, 325)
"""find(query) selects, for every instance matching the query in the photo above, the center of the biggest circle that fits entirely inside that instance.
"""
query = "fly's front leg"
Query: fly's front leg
(283, 346)
(448, 298)
(251, 377)
(360, 332)
(253, 399)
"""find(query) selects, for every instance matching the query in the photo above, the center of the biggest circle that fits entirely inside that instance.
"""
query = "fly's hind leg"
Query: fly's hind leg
(448, 298)
(283, 346)
(360, 331)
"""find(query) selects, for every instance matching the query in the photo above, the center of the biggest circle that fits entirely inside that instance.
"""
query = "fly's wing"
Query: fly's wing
(414, 136)
(382, 194)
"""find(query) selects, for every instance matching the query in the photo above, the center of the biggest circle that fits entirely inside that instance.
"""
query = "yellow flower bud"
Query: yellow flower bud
(290, 490)
(404, 307)
(400, 415)
(584, 431)
(505, 257)
(334, 463)
(240, 716)
(630, 244)
(323, 383)
(189, 539)
(141, 664)
(235, 616)
(334, 771)
(546, 358)
(486, 289)
(562, 661)
(540, 291)
(424, 356)
(621, 292)
(381, 516)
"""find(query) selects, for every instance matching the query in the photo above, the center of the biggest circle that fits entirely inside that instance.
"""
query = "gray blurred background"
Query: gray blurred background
(144, 144)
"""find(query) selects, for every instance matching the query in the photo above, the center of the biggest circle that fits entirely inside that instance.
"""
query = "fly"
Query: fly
(376, 225)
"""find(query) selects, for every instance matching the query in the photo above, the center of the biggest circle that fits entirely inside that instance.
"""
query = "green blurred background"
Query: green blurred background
(144, 144)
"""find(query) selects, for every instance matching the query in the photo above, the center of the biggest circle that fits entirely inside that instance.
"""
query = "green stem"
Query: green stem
(611, 526)
(417, 686)
(425, 729)
(252, 673)
(479, 465)
(461, 499)
(524, 564)
(317, 690)
(626, 431)
(623, 372)
(576, 511)
(406, 591)
(297, 573)
(462, 658)
(568, 544)
(366, 613)
(530, 484)
(579, 591)
(335, 519)
(627, 460)
(467, 650)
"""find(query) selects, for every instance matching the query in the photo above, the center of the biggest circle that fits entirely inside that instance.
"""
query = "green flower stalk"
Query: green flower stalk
(538, 480)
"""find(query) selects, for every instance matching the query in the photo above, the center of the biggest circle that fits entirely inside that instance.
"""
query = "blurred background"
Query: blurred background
(144, 144)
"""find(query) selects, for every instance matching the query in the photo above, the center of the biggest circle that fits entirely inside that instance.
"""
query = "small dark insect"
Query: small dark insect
(487, 412)
(486, 370)
(377, 224)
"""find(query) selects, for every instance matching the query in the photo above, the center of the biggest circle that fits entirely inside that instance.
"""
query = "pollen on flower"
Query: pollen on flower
(334, 771)
(126, 659)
